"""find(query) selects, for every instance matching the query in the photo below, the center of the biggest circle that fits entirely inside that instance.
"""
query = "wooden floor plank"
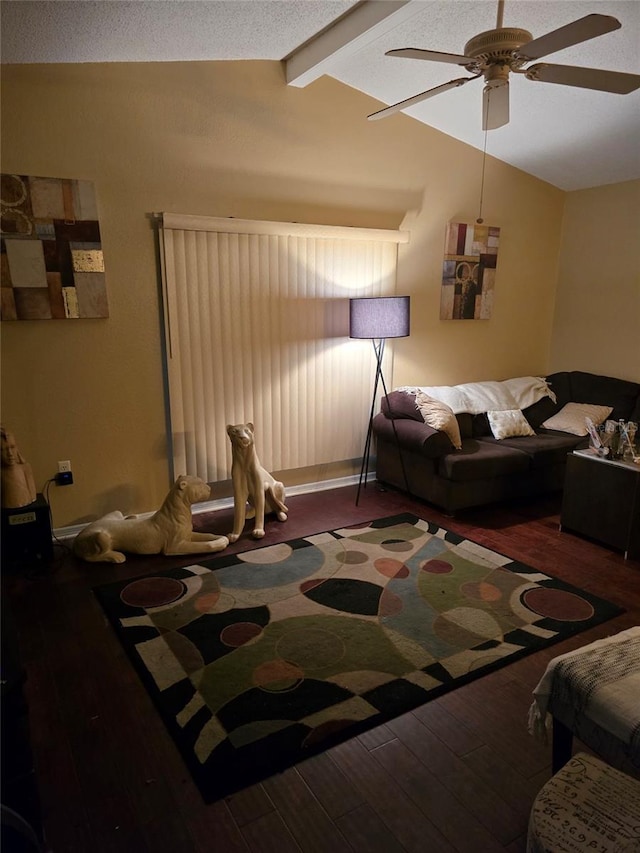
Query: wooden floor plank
(376, 736)
(470, 704)
(269, 834)
(452, 773)
(435, 801)
(305, 818)
(517, 846)
(500, 776)
(453, 733)
(212, 827)
(413, 829)
(249, 805)
(367, 833)
(329, 785)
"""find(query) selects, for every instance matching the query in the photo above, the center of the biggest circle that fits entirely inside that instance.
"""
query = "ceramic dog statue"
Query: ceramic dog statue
(168, 531)
(252, 484)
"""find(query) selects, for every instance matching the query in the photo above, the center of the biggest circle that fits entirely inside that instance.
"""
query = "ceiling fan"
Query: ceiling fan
(496, 53)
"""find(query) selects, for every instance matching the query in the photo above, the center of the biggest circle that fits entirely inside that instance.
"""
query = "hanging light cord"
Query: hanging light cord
(480, 220)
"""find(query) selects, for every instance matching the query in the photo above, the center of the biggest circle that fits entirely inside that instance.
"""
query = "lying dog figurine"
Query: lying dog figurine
(168, 531)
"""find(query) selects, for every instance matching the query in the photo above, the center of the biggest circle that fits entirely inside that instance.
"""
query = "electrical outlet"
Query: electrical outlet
(64, 467)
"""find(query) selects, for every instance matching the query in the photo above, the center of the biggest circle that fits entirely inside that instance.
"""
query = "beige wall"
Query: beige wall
(597, 318)
(231, 139)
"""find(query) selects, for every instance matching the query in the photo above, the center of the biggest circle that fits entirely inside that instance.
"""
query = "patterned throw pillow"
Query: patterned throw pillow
(509, 423)
(439, 416)
(571, 418)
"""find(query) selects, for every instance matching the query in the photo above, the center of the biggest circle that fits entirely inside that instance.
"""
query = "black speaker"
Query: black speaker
(26, 535)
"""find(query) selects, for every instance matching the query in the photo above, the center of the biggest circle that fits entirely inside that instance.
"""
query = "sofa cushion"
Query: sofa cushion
(573, 416)
(540, 411)
(465, 423)
(439, 416)
(544, 448)
(620, 394)
(560, 384)
(480, 425)
(482, 460)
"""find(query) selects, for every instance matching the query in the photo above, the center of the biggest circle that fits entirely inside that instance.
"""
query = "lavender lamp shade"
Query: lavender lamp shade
(379, 317)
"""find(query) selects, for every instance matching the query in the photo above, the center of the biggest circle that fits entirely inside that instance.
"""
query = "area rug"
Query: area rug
(261, 659)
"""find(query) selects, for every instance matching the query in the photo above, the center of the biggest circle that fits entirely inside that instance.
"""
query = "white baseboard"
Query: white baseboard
(225, 503)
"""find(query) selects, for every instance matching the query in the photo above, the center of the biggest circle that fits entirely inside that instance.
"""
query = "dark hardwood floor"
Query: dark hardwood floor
(457, 774)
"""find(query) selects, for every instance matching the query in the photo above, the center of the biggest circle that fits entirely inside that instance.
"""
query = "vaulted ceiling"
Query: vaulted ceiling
(571, 137)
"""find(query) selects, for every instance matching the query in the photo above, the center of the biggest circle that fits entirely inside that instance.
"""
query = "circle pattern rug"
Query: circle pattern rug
(259, 660)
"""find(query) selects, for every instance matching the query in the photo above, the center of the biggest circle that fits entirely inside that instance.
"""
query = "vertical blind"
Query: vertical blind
(256, 321)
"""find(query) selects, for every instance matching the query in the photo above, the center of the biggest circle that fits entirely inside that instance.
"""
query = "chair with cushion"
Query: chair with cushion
(587, 805)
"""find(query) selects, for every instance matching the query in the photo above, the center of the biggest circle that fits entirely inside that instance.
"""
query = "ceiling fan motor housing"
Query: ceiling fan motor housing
(497, 47)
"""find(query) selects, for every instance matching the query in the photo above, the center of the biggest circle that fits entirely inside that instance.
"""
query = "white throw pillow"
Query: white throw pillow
(571, 418)
(439, 416)
(509, 423)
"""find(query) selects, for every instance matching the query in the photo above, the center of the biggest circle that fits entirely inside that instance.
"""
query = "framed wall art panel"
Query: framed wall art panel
(468, 272)
(52, 265)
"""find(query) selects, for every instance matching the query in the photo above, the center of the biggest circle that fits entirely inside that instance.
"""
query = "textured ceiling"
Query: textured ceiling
(159, 30)
(572, 138)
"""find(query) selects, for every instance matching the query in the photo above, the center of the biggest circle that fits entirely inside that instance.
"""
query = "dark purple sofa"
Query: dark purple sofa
(487, 470)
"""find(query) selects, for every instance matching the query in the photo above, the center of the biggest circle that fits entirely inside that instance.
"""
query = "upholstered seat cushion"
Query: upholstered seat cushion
(543, 449)
(482, 460)
(586, 806)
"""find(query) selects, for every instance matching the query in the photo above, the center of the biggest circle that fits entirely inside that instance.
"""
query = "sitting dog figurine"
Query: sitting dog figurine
(252, 484)
(168, 531)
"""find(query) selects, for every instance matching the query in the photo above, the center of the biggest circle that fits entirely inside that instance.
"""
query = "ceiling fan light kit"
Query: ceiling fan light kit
(494, 54)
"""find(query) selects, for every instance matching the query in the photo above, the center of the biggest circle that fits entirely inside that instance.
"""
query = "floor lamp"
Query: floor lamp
(378, 318)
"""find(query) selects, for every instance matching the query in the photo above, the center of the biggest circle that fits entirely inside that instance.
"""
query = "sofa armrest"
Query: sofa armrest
(412, 435)
(400, 404)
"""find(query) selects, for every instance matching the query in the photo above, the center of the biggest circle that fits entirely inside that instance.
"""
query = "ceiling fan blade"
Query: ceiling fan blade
(578, 31)
(433, 55)
(495, 105)
(416, 99)
(617, 82)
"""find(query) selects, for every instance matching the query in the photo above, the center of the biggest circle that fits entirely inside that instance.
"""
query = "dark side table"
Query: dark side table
(601, 500)
(26, 535)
